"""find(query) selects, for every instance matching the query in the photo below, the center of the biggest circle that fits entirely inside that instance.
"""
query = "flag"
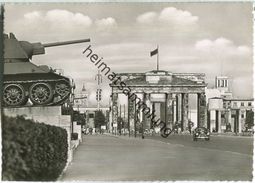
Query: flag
(154, 52)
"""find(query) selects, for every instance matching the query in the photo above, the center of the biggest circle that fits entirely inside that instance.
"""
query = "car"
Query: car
(201, 133)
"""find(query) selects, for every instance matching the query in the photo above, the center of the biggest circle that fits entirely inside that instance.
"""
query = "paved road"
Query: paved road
(110, 158)
(242, 144)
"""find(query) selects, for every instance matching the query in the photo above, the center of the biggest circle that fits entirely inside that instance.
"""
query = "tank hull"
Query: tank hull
(25, 82)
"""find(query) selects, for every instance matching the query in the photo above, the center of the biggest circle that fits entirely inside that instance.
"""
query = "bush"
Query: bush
(32, 151)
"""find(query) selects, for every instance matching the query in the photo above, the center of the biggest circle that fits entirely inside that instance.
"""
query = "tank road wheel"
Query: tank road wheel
(62, 89)
(40, 93)
(14, 95)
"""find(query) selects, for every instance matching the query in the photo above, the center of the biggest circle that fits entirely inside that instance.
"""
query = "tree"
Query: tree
(249, 118)
(99, 119)
(79, 118)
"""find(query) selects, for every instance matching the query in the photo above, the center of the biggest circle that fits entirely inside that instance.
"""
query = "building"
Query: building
(222, 84)
(81, 99)
(166, 95)
(225, 112)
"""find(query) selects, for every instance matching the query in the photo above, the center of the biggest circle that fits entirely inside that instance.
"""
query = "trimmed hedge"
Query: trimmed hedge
(32, 151)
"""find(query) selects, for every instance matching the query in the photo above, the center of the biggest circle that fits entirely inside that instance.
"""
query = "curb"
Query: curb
(67, 163)
(212, 135)
(122, 136)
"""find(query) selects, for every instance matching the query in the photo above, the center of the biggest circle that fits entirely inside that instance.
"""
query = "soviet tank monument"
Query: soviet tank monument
(24, 80)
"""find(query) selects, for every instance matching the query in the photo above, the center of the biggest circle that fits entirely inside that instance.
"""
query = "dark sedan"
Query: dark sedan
(201, 133)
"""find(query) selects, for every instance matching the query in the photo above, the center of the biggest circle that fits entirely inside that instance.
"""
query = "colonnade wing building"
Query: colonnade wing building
(165, 93)
(225, 112)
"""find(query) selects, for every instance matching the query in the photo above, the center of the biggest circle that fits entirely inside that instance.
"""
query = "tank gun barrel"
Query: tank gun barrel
(24, 50)
(65, 43)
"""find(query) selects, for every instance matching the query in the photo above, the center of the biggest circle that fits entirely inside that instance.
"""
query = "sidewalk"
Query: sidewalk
(231, 135)
(228, 135)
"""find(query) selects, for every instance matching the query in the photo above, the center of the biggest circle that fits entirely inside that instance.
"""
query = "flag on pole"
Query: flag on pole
(154, 52)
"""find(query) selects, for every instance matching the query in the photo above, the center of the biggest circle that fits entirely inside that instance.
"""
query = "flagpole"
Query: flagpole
(157, 59)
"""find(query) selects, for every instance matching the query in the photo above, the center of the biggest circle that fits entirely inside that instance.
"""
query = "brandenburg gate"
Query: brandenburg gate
(165, 93)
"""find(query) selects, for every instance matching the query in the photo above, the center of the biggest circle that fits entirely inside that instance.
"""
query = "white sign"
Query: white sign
(103, 127)
(114, 124)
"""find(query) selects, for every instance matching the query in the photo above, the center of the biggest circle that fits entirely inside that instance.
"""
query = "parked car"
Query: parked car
(84, 130)
(201, 133)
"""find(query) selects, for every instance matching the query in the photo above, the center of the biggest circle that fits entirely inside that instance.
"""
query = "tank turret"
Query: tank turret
(23, 50)
(25, 81)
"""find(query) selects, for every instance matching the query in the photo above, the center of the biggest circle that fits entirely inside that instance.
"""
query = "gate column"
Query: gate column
(169, 110)
(201, 109)
(131, 114)
(184, 111)
(114, 110)
(146, 120)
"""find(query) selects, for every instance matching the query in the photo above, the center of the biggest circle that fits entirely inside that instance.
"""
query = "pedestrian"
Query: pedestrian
(190, 125)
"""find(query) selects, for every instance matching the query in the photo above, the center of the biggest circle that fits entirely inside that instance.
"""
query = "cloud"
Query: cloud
(62, 22)
(244, 50)
(106, 22)
(58, 17)
(222, 46)
(175, 16)
(170, 16)
(124, 51)
(67, 17)
(31, 16)
(147, 18)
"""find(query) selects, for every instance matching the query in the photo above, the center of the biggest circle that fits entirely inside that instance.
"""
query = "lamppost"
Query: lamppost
(98, 78)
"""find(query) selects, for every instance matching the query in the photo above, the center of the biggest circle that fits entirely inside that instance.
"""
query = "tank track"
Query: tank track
(43, 91)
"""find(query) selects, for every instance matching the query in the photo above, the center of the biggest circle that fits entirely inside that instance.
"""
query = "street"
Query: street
(109, 158)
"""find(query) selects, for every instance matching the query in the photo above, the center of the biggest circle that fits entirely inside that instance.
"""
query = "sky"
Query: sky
(210, 38)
